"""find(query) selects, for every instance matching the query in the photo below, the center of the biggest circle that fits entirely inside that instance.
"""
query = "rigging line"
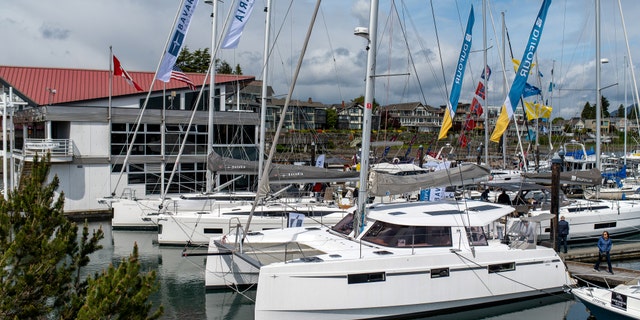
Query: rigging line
(146, 101)
(333, 57)
(406, 41)
(511, 279)
(633, 74)
(435, 27)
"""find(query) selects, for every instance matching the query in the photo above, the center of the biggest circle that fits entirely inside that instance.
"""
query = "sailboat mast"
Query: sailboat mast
(366, 118)
(212, 84)
(263, 101)
(598, 93)
(504, 89)
(486, 91)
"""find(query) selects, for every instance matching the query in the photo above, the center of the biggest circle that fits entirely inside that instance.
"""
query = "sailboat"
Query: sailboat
(385, 260)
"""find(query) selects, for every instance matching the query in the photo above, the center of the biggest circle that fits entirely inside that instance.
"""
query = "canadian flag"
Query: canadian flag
(119, 71)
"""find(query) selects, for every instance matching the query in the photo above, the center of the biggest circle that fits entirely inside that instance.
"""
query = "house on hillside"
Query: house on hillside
(86, 119)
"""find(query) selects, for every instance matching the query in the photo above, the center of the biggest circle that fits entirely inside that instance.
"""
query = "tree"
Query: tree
(41, 257)
(224, 68)
(237, 70)
(557, 120)
(332, 118)
(620, 112)
(588, 112)
(604, 106)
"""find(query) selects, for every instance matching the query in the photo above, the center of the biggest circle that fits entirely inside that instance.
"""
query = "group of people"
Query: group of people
(604, 244)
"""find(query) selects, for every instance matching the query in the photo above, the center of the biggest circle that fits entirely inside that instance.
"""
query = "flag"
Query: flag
(240, 18)
(177, 74)
(517, 87)
(486, 71)
(452, 104)
(463, 140)
(118, 70)
(536, 110)
(551, 86)
(179, 34)
(476, 107)
(320, 161)
(469, 124)
(480, 90)
(530, 90)
(516, 64)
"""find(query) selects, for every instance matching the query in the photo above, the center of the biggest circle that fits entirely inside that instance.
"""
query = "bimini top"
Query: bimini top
(444, 213)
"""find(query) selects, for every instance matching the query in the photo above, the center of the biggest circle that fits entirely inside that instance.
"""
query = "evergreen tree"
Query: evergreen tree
(604, 107)
(41, 257)
(224, 68)
(237, 70)
(588, 112)
(620, 112)
(332, 118)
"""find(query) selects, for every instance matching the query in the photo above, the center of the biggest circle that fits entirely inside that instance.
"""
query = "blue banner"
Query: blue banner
(511, 103)
(179, 34)
(457, 80)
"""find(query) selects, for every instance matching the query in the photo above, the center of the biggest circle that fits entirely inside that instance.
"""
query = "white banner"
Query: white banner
(179, 34)
(320, 161)
(240, 18)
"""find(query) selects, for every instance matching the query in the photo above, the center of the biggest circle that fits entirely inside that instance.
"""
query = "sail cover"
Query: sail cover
(280, 173)
(586, 178)
(382, 184)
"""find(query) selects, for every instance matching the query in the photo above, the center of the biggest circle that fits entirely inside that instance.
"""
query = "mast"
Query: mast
(263, 101)
(486, 91)
(504, 91)
(366, 118)
(598, 93)
(212, 84)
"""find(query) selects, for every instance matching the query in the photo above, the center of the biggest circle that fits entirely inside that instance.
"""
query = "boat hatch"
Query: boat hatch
(309, 259)
(254, 233)
(312, 228)
(484, 208)
(443, 212)
(335, 256)
(383, 252)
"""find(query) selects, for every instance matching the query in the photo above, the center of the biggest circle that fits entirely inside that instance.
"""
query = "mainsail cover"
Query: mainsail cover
(382, 183)
(591, 177)
(279, 173)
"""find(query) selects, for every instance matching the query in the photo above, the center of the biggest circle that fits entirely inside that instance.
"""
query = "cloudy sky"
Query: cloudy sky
(416, 55)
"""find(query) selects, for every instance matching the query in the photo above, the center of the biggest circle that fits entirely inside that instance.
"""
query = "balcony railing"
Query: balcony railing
(60, 149)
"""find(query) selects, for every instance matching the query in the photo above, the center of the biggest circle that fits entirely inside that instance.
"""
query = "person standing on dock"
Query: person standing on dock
(563, 232)
(604, 247)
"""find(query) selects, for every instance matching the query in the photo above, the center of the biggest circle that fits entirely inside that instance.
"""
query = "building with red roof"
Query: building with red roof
(86, 119)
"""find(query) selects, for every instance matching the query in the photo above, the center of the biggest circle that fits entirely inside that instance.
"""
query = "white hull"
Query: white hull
(197, 228)
(350, 278)
(611, 193)
(136, 214)
(621, 302)
(588, 219)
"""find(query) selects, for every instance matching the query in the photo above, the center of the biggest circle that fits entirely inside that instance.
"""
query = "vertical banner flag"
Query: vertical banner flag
(452, 105)
(118, 70)
(480, 90)
(179, 33)
(476, 107)
(517, 87)
(240, 18)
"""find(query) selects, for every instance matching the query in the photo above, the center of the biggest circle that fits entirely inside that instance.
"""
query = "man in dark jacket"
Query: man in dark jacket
(563, 232)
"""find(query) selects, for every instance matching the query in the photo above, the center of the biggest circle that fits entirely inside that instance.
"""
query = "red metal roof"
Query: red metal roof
(71, 85)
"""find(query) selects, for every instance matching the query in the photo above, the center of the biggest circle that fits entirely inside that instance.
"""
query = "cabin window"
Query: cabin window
(366, 277)
(345, 226)
(213, 230)
(605, 225)
(392, 235)
(439, 273)
(476, 236)
(501, 267)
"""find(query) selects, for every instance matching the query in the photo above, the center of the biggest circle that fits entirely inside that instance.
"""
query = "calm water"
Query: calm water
(183, 295)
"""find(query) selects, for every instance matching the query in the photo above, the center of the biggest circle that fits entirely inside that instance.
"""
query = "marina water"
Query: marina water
(183, 295)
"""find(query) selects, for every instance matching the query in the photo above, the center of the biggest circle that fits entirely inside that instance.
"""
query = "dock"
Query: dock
(580, 261)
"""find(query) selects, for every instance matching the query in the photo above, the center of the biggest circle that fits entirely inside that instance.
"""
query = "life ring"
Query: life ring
(396, 160)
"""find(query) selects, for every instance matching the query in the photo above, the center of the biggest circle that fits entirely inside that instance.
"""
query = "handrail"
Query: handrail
(57, 147)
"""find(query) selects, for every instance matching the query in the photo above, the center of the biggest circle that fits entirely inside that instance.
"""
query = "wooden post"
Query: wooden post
(556, 164)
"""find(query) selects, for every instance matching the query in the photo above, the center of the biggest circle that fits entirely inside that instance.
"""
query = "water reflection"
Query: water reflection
(183, 295)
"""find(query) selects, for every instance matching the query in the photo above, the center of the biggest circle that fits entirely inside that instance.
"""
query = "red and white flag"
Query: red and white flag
(177, 74)
(118, 70)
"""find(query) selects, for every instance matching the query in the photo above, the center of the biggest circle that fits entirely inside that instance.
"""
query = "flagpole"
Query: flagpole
(109, 120)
